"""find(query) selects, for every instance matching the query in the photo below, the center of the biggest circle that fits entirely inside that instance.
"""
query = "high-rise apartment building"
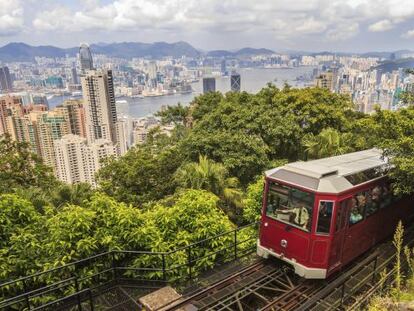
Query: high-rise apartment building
(325, 80)
(77, 161)
(9, 106)
(6, 83)
(50, 126)
(235, 82)
(209, 84)
(223, 67)
(74, 112)
(122, 133)
(12, 118)
(101, 121)
(74, 76)
(99, 104)
(85, 57)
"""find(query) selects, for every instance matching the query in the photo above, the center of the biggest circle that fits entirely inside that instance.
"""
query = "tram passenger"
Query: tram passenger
(301, 216)
(355, 215)
(376, 199)
(298, 215)
(361, 202)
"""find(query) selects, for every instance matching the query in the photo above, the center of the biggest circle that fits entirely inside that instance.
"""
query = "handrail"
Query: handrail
(336, 283)
(121, 267)
(74, 263)
(340, 282)
(77, 294)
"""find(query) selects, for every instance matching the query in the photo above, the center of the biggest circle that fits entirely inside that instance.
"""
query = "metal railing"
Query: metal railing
(79, 281)
(364, 277)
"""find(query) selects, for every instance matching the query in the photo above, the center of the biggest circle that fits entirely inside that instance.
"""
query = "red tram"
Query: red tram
(319, 215)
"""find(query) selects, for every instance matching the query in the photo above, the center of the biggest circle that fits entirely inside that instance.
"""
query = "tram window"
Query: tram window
(290, 205)
(373, 200)
(364, 176)
(324, 217)
(386, 197)
(340, 215)
(358, 205)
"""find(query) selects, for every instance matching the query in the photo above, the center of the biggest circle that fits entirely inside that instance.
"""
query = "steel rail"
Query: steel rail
(181, 302)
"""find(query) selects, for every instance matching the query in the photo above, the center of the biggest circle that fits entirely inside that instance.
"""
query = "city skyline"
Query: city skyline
(314, 25)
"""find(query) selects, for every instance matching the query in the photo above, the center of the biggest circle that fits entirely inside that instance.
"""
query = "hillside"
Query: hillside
(390, 65)
(242, 52)
(24, 52)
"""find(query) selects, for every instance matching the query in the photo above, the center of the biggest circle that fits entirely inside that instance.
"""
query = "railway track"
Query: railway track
(270, 285)
(265, 285)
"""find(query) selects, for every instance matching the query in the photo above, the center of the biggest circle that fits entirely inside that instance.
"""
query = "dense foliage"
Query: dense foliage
(31, 241)
(246, 132)
(200, 181)
(20, 167)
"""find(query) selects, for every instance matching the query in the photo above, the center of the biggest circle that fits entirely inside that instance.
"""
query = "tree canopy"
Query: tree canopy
(175, 190)
(20, 167)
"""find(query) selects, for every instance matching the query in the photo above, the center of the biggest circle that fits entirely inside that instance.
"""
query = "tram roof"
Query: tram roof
(334, 174)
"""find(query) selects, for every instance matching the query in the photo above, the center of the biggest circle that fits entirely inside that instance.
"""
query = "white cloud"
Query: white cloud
(382, 25)
(330, 19)
(343, 31)
(409, 34)
(11, 17)
(56, 19)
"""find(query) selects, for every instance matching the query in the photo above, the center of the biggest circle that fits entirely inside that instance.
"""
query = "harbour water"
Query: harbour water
(252, 80)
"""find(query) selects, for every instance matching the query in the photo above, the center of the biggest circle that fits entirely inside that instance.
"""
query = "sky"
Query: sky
(306, 25)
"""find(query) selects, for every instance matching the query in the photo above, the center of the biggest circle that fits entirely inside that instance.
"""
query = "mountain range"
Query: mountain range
(18, 51)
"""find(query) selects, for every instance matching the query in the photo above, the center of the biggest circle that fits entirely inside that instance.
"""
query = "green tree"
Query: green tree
(328, 142)
(253, 201)
(145, 173)
(19, 245)
(392, 131)
(246, 131)
(70, 235)
(177, 114)
(210, 176)
(19, 167)
(401, 153)
(204, 104)
(75, 194)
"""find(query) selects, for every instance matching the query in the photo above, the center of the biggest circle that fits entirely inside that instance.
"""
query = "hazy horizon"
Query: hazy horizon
(302, 25)
(208, 50)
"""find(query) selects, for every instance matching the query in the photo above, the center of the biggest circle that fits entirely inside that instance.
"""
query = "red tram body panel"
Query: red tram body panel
(319, 215)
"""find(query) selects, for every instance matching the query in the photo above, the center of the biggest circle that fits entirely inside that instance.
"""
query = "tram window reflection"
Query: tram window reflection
(290, 205)
(324, 217)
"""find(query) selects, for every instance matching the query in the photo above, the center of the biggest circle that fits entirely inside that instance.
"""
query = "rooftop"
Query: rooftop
(333, 174)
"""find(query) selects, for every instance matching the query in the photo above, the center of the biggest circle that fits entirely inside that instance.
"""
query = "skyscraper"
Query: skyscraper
(235, 82)
(6, 102)
(12, 120)
(75, 114)
(50, 126)
(99, 103)
(209, 84)
(5, 80)
(76, 161)
(85, 57)
(223, 67)
(325, 80)
(74, 76)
